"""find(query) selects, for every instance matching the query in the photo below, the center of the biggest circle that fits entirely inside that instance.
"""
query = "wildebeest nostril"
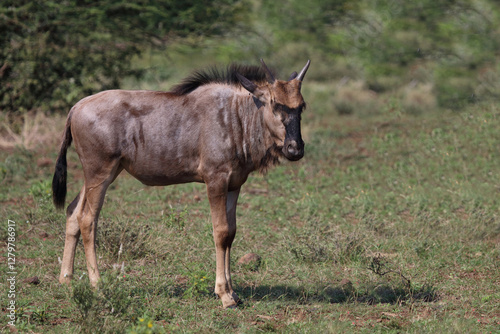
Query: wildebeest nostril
(292, 148)
(293, 151)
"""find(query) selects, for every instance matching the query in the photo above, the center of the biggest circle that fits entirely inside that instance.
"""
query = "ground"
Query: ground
(390, 223)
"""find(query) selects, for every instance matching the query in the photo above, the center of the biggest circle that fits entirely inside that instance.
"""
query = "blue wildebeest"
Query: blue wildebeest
(215, 127)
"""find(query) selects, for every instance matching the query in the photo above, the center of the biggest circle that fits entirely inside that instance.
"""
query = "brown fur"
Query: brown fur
(208, 129)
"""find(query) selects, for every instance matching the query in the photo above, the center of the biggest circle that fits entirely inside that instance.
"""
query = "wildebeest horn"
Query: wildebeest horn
(292, 76)
(247, 84)
(302, 73)
(271, 76)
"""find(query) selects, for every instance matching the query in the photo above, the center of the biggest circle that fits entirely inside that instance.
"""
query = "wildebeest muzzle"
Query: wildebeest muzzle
(293, 149)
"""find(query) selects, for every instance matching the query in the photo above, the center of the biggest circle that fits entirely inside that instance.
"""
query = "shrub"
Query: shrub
(53, 55)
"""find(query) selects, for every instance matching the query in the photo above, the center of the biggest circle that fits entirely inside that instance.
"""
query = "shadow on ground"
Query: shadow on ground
(342, 293)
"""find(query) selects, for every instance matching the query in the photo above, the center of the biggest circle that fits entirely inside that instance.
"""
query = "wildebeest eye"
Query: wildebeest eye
(288, 110)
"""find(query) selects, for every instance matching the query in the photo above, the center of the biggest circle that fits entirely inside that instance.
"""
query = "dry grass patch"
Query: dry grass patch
(353, 98)
(30, 131)
(419, 98)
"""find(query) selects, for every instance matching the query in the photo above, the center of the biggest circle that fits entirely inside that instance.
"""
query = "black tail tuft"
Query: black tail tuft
(60, 174)
(59, 182)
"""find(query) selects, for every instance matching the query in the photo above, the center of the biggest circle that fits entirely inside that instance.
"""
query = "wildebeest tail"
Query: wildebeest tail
(60, 174)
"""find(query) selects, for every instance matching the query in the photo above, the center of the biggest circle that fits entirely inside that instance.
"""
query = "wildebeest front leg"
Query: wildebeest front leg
(232, 200)
(224, 230)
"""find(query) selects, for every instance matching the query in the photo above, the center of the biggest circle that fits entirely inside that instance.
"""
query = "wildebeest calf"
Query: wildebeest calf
(215, 127)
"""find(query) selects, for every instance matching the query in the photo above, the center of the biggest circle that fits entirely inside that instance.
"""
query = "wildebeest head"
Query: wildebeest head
(282, 105)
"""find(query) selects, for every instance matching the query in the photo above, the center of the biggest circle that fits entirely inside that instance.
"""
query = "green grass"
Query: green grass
(389, 224)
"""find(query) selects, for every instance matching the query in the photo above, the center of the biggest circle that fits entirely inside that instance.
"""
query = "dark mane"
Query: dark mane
(216, 75)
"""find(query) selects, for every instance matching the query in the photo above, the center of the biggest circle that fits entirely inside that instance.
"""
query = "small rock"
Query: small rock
(250, 259)
(32, 280)
(44, 162)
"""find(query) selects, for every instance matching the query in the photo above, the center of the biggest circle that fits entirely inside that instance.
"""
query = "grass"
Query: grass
(389, 224)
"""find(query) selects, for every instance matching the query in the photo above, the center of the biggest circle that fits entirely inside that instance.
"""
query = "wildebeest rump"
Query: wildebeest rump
(215, 127)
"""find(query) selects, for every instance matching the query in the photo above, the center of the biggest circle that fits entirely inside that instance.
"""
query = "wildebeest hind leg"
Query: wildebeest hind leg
(71, 240)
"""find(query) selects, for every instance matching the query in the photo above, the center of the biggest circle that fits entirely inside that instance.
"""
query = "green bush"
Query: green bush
(111, 300)
(53, 54)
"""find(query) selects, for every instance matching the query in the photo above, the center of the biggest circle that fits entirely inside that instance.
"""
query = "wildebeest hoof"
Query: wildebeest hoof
(229, 301)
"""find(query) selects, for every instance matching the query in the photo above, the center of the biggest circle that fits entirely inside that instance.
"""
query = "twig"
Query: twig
(379, 267)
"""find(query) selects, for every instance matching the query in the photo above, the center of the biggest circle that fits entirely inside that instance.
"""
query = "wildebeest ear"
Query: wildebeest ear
(247, 84)
(292, 76)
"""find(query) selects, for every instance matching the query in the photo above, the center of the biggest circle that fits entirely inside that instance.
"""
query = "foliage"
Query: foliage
(445, 43)
(450, 46)
(145, 325)
(110, 301)
(197, 284)
(55, 53)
